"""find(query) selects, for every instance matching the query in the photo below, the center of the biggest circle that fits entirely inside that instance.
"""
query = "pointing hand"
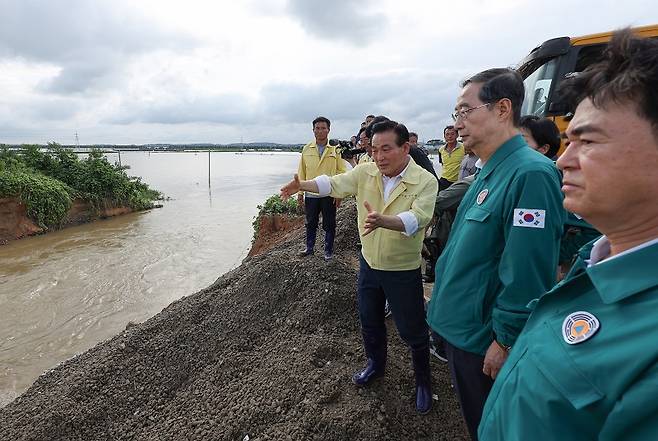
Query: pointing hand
(290, 188)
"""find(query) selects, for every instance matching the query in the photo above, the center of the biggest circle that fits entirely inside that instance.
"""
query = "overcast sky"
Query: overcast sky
(147, 71)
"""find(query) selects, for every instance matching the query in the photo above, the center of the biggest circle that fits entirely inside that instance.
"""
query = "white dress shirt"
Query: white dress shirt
(601, 250)
(389, 183)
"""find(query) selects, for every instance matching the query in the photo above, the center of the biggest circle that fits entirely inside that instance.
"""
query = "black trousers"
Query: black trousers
(404, 292)
(313, 208)
(472, 386)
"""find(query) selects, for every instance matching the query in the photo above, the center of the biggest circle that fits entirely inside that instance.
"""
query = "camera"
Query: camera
(345, 148)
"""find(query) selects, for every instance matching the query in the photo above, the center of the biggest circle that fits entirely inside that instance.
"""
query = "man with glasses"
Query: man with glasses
(364, 143)
(451, 155)
(504, 244)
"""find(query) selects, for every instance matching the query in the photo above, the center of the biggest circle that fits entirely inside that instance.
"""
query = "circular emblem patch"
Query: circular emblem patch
(579, 326)
(482, 196)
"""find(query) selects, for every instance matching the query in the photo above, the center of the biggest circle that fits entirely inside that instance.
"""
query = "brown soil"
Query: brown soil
(15, 224)
(266, 351)
(273, 230)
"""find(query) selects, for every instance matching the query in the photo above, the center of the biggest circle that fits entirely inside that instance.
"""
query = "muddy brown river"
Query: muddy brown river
(63, 292)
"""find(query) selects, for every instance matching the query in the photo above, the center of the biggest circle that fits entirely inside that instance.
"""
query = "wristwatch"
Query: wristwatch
(503, 347)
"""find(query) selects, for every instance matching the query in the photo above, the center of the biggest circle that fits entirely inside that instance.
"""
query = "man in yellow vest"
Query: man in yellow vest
(320, 158)
(451, 155)
(395, 200)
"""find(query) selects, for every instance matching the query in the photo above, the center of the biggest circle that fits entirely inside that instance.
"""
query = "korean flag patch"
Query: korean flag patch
(529, 217)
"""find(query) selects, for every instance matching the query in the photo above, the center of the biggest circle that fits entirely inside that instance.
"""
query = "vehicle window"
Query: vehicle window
(537, 87)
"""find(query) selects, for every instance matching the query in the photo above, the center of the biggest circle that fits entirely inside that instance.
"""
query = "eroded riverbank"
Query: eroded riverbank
(63, 292)
(16, 224)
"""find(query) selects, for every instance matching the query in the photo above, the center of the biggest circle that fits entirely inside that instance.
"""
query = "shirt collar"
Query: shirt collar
(315, 144)
(624, 274)
(458, 146)
(600, 250)
(505, 149)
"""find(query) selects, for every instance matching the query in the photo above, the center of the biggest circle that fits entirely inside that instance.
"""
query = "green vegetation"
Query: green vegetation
(275, 205)
(47, 182)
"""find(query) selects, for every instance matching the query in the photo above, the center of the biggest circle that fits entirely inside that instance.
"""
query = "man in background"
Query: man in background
(450, 155)
(320, 158)
(364, 143)
(413, 142)
(467, 167)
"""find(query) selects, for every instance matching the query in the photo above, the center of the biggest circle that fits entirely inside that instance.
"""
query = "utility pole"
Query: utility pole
(77, 140)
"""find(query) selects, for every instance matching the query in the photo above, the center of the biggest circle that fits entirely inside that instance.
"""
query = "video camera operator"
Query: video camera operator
(364, 143)
(346, 150)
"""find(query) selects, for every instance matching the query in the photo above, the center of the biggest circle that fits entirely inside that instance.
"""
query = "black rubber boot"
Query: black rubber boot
(421, 362)
(375, 347)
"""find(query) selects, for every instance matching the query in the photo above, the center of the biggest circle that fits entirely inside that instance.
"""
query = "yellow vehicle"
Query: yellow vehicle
(556, 59)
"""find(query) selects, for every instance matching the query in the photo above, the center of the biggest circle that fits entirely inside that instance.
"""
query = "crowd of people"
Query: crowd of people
(543, 289)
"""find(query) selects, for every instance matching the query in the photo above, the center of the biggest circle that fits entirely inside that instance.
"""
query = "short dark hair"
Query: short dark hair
(413, 134)
(370, 116)
(361, 130)
(401, 132)
(500, 83)
(376, 120)
(448, 128)
(544, 131)
(321, 119)
(628, 73)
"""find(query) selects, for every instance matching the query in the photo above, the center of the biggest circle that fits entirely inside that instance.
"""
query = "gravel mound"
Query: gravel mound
(265, 353)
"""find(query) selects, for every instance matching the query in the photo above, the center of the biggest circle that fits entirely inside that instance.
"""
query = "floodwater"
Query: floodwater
(63, 292)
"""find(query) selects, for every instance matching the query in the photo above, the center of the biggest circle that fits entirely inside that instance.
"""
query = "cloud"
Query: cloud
(345, 20)
(89, 41)
(419, 99)
(53, 109)
(165, 70)
(405, 94)
(221, 109)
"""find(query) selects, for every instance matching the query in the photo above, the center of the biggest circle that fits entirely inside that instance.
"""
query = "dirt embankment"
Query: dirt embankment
(15, 224)
(273, 230)
(266, 351)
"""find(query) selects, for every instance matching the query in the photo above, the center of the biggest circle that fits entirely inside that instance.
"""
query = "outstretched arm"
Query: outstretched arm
(296, 185)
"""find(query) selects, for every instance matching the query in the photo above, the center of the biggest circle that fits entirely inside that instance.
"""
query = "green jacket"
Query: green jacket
(502, 251)
(602, 388)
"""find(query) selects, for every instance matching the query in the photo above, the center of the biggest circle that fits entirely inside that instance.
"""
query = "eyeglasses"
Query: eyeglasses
(463, 113)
